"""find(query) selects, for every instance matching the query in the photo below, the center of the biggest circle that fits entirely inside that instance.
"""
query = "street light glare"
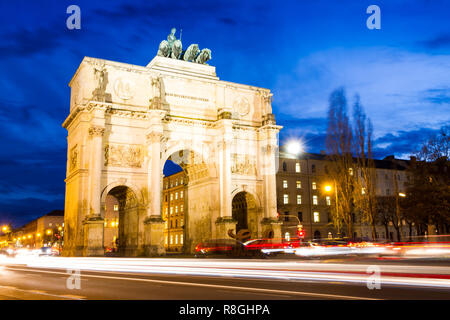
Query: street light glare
(327, 188)
(294, 147)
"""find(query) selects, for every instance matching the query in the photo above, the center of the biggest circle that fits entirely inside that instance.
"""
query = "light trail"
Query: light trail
(404, 275)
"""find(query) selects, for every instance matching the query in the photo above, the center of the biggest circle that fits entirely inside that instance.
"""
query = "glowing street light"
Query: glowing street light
(328, 188)
(401, 194)
(294, 147)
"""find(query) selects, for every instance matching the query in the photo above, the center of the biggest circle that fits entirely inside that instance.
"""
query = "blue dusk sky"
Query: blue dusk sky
(300, 50)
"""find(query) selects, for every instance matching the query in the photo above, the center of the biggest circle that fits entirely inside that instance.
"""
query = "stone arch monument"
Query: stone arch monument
(126, 120)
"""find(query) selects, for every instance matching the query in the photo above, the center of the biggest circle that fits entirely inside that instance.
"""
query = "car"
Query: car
(266, 247)
(220, 247)
(48, 251)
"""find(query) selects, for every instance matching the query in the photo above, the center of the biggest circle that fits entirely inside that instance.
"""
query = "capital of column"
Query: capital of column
(154, 136)
(96, 131)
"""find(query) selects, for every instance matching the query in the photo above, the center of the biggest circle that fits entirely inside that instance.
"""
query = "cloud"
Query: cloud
(400, 90)
(438, 42)
(403, 143)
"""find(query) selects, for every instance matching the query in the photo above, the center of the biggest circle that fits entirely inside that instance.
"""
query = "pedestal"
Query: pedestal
(154, 236)
(271, 228)
(223, 227)
(93, 236)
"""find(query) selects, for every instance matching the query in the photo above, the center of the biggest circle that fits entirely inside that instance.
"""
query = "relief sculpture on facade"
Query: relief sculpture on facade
(120, 155)
(243, 164)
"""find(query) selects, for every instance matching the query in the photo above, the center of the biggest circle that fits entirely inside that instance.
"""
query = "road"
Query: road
(217, 279)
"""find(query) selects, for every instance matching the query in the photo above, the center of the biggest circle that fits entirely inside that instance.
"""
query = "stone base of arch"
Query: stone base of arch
(271, 228)
(154, 236)
(93, 236)
(223, 227)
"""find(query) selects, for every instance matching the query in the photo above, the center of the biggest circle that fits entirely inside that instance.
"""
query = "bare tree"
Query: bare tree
(365, 182)
(339, 147)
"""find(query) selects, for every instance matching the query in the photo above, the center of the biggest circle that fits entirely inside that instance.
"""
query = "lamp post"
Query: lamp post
(328, 188)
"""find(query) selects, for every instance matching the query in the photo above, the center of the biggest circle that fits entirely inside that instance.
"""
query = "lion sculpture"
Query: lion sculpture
(191, 52)
(177, 49)
(164, 49)
(204, 56)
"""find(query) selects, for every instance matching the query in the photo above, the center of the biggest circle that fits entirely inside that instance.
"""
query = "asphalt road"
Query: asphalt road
(20, 281)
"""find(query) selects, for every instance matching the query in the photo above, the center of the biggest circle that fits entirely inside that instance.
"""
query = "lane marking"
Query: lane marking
(238, 288)
(40, 292)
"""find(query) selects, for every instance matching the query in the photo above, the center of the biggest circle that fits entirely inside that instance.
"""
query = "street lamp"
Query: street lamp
(328, 188)
(294, 147)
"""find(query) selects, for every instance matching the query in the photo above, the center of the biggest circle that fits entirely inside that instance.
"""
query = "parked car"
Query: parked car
(220, 247)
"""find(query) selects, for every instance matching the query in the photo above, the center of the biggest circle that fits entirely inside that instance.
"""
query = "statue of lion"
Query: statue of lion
(164, 49)
(191, 52)
(204, 56)
(176, 49)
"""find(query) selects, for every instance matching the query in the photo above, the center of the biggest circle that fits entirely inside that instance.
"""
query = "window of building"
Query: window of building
(313, 168)
(176, 209)
(297, 167)
(284, 166)
(300, 216)
(171, 239)
(316, 216)
(181, 239)
(171, 196)
(176, 239)
(286, 216)
(181, 222)
(299, 184)
(165, 241)
(181, 194)
(285, 199)
(176, 223)
(181, 181)
(299, 199)
(328, 201)
(314, 186)
(363, 190)
(116, 207)
(167, 211)
(176, 182)
(165, 198)
(165, 225)
(181, 207)
(176, 195)
(350, 171)
(285, 184)
(171, 210)
(315, 200)
(388, 192)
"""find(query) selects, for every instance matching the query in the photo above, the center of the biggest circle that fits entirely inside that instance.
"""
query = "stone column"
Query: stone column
(154, 224)
(93, 222)
(270, 223)
(225, 222)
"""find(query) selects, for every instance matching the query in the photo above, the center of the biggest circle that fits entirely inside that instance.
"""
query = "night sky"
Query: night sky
(301, 50)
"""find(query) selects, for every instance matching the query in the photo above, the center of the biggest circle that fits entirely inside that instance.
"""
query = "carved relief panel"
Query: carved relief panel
(124, 155)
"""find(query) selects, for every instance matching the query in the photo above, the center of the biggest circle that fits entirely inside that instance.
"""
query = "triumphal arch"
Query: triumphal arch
(126, 120)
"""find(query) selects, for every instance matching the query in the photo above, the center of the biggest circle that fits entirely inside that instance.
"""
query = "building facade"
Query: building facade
(302, 196)
(174, 204)
(45, 231)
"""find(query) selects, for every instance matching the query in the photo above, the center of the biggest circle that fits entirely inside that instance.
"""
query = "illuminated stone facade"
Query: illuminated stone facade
(125, 121)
